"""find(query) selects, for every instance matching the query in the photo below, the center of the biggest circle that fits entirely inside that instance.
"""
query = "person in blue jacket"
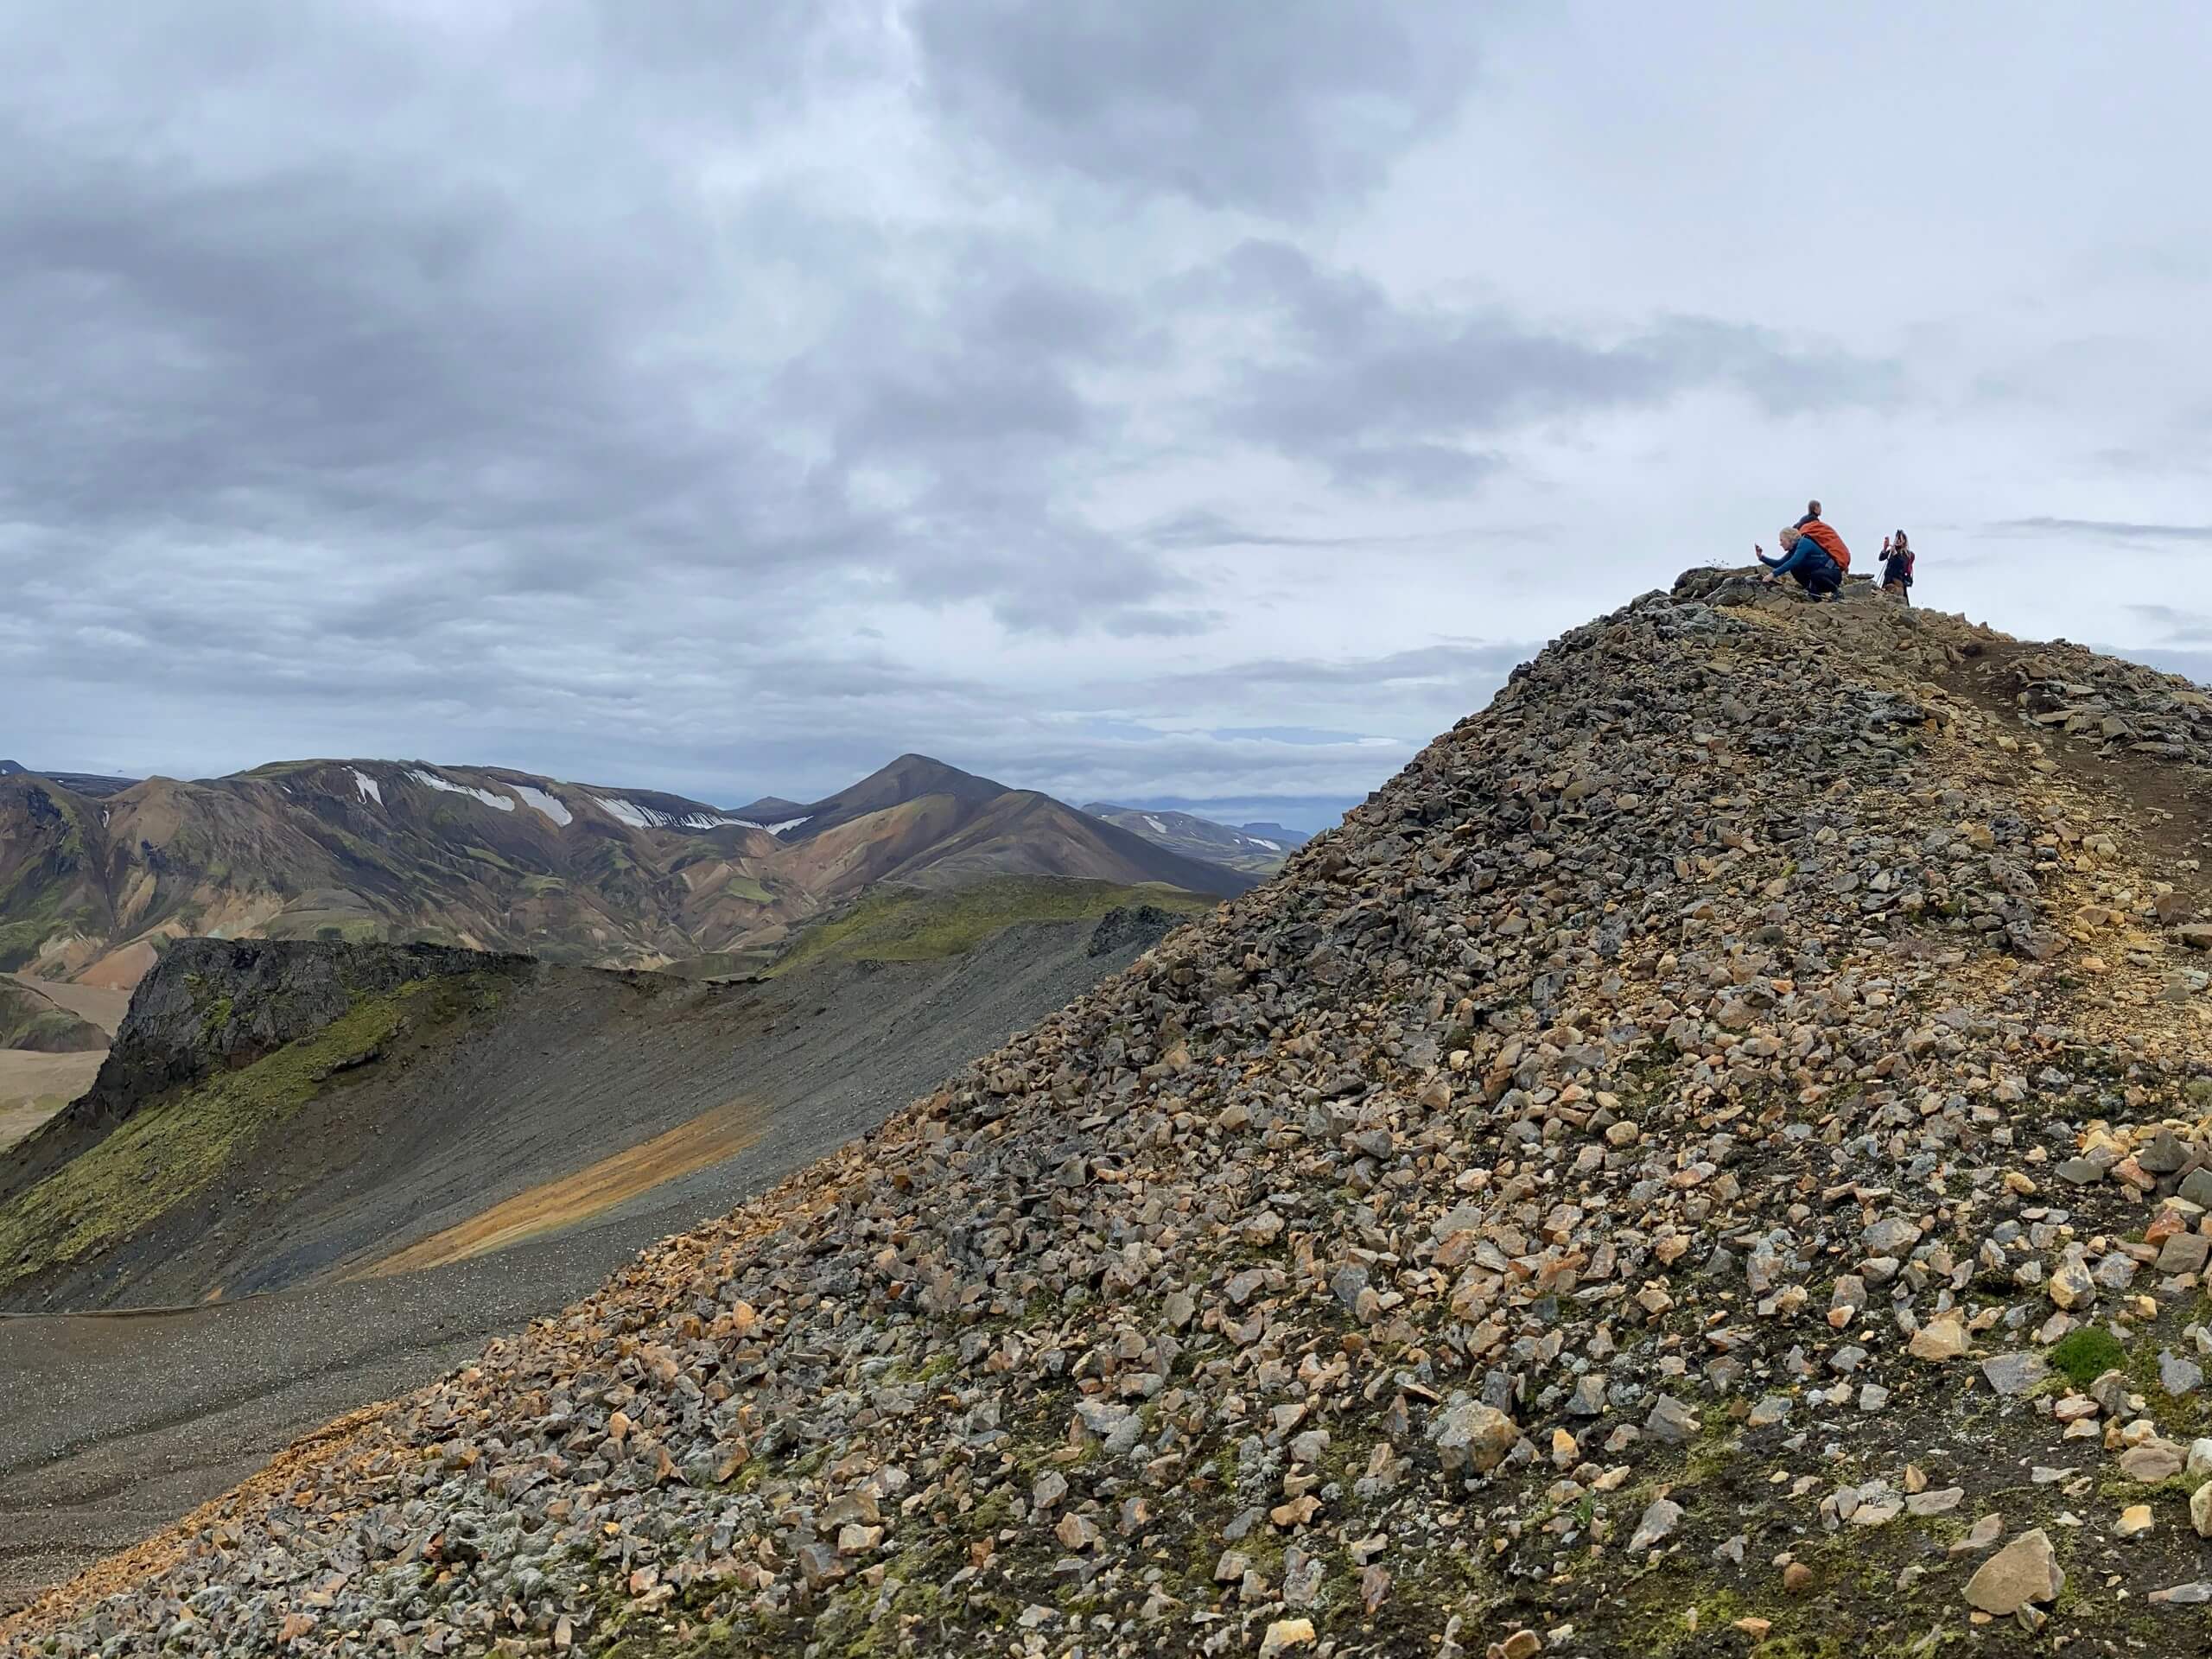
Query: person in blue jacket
(1805, 561)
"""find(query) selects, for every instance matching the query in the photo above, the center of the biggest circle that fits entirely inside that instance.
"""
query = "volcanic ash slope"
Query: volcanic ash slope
(1667, 1176)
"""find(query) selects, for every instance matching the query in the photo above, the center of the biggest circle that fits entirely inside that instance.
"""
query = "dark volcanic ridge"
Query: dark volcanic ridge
(1713, 1158)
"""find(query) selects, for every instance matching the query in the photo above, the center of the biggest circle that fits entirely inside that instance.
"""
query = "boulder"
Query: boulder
(2024, 1572)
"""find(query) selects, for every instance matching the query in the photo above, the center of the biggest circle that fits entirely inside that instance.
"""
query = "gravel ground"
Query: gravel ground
(119, 1423)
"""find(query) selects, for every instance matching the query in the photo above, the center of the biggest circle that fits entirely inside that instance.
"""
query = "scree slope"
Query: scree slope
(1712, 1159)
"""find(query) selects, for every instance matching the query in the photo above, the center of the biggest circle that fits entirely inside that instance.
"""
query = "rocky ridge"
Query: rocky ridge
(1713, 1158)
(216, 1004)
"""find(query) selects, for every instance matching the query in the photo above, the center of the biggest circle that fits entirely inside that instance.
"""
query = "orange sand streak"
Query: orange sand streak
(707, 1139)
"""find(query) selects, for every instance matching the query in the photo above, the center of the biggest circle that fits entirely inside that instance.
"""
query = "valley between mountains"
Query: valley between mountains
(1714, 1158)
(332, 1151)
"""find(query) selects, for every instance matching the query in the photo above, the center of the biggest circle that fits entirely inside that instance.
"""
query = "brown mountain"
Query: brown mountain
(492, 858)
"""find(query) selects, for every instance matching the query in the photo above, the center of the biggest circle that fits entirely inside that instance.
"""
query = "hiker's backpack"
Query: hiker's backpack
(1828, 542)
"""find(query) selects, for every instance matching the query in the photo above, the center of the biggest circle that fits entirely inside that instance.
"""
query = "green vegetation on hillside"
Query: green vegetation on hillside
(898, 923)
(39, 902)
(173, 1147)
(29, 1020)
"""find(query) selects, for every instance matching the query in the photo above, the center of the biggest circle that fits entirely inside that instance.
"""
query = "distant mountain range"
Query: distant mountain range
(93, 882)
(1255, 849)
(93, 783)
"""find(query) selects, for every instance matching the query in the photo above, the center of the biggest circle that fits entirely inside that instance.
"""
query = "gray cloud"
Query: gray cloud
(1282, 107)
(726, 398)
(2176, 627)
(1202, 527)
(1385, 395)
(2119, 529)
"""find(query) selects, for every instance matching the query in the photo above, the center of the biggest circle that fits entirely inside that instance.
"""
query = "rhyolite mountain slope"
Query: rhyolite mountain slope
(490, 859)
(1259, 849)
(920, 821)
(1670, 1173)
(83, 782)
(31, 1020)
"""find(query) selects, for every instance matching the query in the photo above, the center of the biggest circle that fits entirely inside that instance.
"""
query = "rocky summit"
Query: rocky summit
(1713, 1159)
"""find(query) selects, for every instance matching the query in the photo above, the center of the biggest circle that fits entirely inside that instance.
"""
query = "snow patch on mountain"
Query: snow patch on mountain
(645, 817)
(431, 780)
(551, 805)
(371, 790)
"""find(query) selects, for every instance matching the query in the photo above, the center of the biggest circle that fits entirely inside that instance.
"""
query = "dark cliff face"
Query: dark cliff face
(214, 1005)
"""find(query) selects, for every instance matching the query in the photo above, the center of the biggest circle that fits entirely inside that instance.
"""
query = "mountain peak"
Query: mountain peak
(909, 778)
(938, 776)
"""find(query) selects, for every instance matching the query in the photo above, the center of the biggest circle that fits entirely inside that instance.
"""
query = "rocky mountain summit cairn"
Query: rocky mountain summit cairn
(1714, 1158)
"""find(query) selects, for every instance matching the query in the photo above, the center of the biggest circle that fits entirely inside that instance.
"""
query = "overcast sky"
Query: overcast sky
(1173, 403)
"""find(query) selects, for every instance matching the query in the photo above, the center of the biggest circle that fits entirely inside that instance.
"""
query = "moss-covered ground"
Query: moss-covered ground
(175, 1147)
(898, 923)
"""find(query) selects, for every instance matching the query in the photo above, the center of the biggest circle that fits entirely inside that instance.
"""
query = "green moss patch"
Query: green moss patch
(2087, 1354)
(29, 1020)
(175, 1147)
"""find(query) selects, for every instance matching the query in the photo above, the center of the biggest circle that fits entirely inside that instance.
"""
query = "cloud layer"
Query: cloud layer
(1109, 397)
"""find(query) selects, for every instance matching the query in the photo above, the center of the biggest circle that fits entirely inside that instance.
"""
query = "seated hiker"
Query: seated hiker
(1814, 555)
(1897, 567)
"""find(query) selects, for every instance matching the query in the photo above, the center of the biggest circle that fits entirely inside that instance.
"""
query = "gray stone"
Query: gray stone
(1980, 1536)
(1671, 1420)
(1661, 1519)
(1771, 1409)
(2178, 1376)
(2184, 1253)
(2180, 1595)
(1588, 1399)
(2164, 1155)
(2015, 1374)
(1891, 1236)
(1940, 1500)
